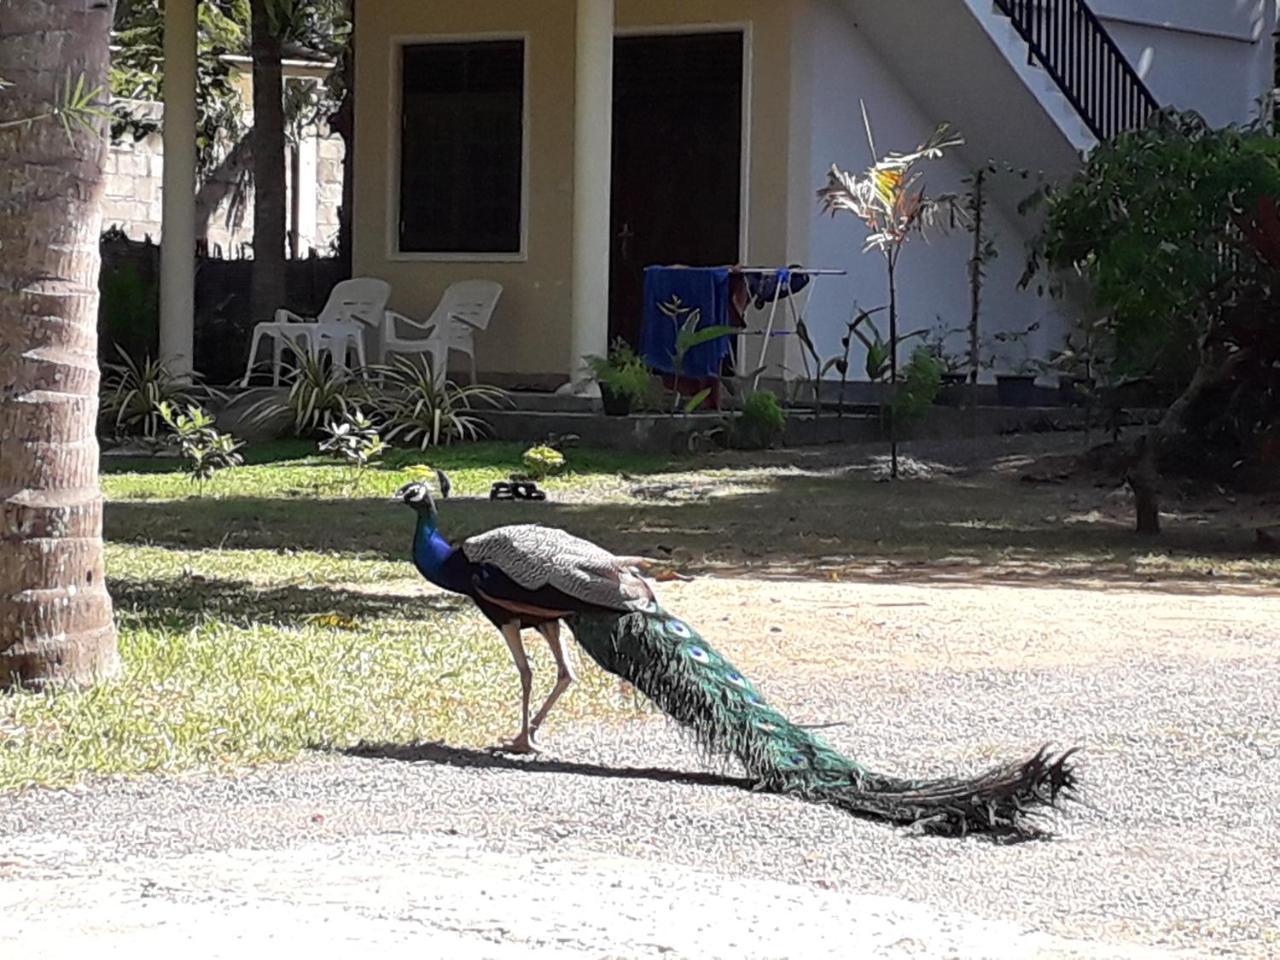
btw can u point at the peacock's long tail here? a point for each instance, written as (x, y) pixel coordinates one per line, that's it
(673, 666)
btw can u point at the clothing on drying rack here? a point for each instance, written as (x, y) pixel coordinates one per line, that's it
(782, 283)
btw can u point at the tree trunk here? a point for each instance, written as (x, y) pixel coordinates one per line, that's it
(1144, 480)
(975, 302)
(1144, 477)
(343, 123)
(268, 290)
(55, 614)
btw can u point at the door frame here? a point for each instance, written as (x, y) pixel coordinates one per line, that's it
(744, 28)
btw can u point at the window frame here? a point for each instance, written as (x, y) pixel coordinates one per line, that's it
(396, 153)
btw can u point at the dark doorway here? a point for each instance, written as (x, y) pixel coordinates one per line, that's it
(677, 161)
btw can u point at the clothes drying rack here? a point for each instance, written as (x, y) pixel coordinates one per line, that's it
(796, 314)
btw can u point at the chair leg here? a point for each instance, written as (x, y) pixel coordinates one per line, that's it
(358, 340)
(277, 352)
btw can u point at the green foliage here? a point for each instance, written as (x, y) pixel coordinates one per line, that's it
(425, 413)
(317, 390)
(1152, 222)
(132, 392)
(919, 385)
(137, 66)
(137, 72)
(936, 343)
(763, 419)
(687, 338)
(542, 461)
(77, 107)
(206, 448)
(353, 439)
(622, 372)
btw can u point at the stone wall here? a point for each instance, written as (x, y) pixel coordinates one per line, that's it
(134, 188)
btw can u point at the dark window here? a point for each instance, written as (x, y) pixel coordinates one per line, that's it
(462, 147)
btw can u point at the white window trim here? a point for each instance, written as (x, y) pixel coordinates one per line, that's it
(395, 133)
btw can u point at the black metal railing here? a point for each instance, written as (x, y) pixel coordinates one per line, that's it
(1078, 52)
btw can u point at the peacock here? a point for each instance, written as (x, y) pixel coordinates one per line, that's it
(529, 576)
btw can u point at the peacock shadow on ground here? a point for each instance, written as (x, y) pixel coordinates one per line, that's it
(442, 754)
(960, 530)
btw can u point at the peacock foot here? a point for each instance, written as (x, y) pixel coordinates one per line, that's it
(522, 744)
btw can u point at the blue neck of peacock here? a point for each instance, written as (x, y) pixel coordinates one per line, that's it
(436, 558)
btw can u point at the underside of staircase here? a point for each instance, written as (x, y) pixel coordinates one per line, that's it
(1034, 82)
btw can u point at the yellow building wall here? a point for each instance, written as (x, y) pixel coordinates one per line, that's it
(529, 334)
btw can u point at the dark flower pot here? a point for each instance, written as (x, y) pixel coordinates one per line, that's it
(952, 391)
(615, 404)
(1016, 390)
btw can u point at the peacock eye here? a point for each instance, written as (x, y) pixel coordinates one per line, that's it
(737, 679)
(697, 653)
(798, 759)
(679, 629)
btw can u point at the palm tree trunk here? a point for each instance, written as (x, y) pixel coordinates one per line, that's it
(56, 622)
(268, 291)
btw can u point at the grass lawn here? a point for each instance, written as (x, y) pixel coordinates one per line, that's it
(279, 612)
(237, 654)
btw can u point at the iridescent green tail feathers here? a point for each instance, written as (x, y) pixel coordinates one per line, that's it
(666, 660)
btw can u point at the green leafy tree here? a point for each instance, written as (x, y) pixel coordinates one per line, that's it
(1158, 222)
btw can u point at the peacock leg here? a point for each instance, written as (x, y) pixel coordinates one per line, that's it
(564, 673)
(522, 743)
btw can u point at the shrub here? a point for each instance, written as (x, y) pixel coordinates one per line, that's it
(206, 448)
(762, 420)
(353, 439)
(422, 412)
(921, 380)
(318, 390)
(542, 461)
(133, 391)
(623, 372)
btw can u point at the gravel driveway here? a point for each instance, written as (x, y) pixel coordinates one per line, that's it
(1174, 695)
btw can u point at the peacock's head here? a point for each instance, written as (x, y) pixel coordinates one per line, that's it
(417, 493)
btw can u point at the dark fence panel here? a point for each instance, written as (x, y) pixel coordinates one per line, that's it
(129, 311)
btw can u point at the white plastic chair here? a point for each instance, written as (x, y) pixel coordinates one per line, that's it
(464, 308)
(352, 306)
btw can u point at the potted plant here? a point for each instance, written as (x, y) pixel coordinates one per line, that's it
(1017, 386)
(622, 376)
(952, 367)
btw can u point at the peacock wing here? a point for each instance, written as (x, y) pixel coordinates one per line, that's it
(536, 557)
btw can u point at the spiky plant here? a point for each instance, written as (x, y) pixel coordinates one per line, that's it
(890, 200)
(318, 390)
(133, 390)
(421, 410)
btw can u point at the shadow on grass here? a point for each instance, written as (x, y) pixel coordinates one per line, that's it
(940, 533)
(502, 455)
(439, 753)
(185, 601)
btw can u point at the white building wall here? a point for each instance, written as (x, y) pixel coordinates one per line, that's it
(1212, 56)
(933, 275)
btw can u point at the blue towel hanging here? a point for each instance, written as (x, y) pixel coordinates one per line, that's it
(670, 295)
